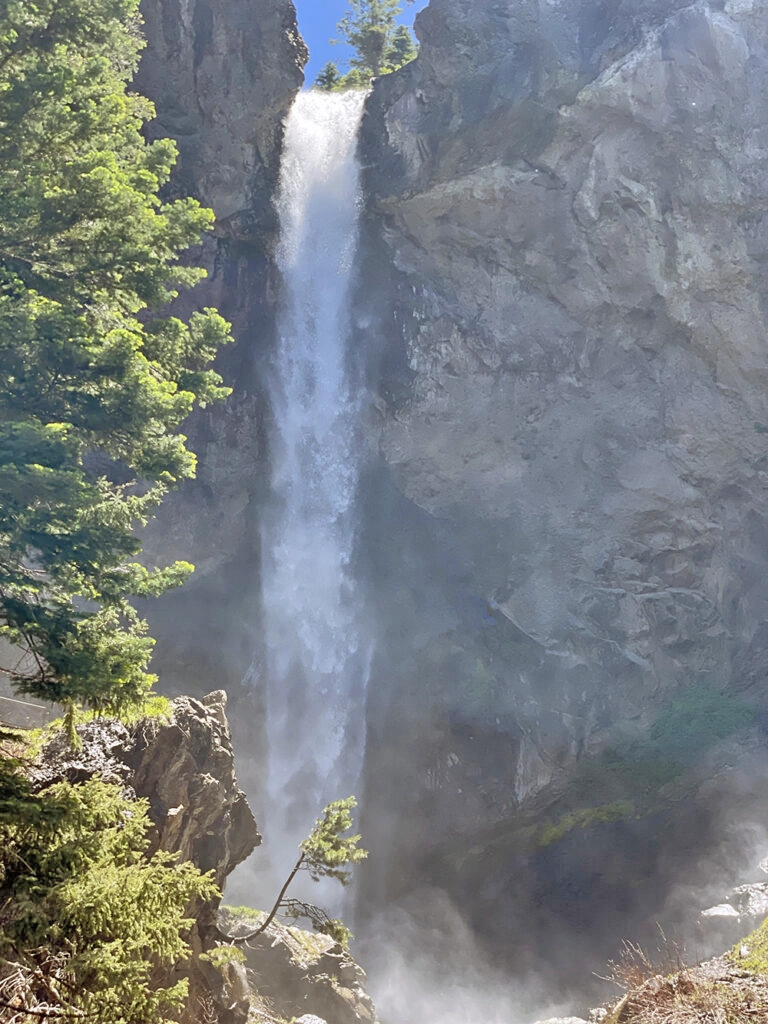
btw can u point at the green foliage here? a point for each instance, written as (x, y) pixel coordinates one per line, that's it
(621, 810)
(480, 689)
(326, 851)
(629, 782)
(154, 707)
(635, 772)
(90, 923)
(333, 927)
(220, 956)
(402, 49)
(329, 78)
(697, 718)
(751, 954)
(249, 913)
(380, 44)
(355, 79)
(96, 381)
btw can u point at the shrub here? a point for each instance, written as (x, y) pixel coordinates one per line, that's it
(91, 925)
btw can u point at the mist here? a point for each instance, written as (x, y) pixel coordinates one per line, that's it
(424, 964)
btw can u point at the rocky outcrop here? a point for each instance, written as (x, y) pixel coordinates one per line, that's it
(740, 912)
(302, 976)
(222, 75)
(571, 199)
(184, 766)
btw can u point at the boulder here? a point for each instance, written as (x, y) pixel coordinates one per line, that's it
(303, 974)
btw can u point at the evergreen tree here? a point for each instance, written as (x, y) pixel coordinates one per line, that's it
(90, 923)
(402, 49)
(329, 78)
(96, 379)
(356, 79)
(325, 853)
(370, 27)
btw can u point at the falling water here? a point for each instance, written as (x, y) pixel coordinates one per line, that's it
(316, 660)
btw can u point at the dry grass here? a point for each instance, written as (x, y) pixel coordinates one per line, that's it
(712, 993)
(262, 1011)
(634, 966)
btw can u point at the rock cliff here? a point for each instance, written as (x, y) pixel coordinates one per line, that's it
(571, 199)
(588, 360)
(183, 764)
(222, 75)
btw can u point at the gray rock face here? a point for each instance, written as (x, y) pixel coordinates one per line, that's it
(572, 198)
(186, 767)
(222, 75)
(589, 360)
(726, 923)
(302, 976)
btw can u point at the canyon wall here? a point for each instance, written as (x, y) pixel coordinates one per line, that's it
(568, 217)
(223, 76)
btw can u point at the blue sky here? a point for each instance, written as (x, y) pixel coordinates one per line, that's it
(317, 24)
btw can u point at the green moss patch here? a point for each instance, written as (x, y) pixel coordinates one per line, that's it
(621, 810)
(751, 953)
(697, 718)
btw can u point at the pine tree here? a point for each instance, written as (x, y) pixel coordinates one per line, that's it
(96, 378)
(91, 925)
(370, 27)
(327, 852)
(329, 78)
(402, 49)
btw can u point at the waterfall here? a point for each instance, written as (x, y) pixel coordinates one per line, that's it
(316, 653)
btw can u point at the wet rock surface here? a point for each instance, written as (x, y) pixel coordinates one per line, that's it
(572, 417)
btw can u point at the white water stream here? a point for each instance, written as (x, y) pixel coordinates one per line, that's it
(316, 654)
